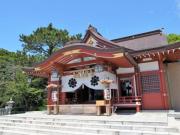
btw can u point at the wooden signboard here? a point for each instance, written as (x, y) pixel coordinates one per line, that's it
(100, 103)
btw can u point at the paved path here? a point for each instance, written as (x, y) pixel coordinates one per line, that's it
(145, 116)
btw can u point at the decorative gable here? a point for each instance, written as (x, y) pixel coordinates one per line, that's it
(91, 41)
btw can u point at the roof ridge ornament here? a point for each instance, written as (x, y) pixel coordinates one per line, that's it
(90, 27)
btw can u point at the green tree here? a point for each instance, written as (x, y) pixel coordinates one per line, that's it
(19, 58)
(46, 40)
(25, 97)
(14, 84)
(173, 38)
(6, 75)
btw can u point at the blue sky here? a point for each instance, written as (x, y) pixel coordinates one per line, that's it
(112, 18)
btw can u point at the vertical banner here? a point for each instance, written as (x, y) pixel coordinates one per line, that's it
(54, 96)
(107, 94)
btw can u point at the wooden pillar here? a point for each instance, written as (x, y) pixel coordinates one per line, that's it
(63, 97)
(49, 96)
(138, 81)
(48, 109)
(108, 107)
(58, 95)
(135, 89)
(138, 108)
(98, 108)
(138, 88)
(163, 85)
(108, 110)
(49, 103)
(118, 89)
(59, 91)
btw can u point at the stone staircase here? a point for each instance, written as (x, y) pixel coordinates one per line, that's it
(81, 125)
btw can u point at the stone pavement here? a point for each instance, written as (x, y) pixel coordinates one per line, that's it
(144, 116)
(143, 123)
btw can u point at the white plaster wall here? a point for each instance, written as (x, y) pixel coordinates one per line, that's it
(149, 66)
(173, 77)
(125, 70)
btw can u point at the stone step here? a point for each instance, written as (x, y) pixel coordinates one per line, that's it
(49, 124)
(42, 124)
(11, 130)
(87, 121)
(176, 115)
(80, 131)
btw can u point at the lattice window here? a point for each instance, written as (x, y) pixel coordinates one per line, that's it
(150, 83)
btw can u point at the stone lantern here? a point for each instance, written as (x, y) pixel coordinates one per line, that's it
(9, 106)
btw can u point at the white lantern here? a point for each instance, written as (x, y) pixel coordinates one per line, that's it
(98, 68)
(54, 76)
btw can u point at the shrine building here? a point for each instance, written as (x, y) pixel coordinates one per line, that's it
(141, 72)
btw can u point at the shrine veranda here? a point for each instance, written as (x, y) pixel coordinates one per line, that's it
(139, 72)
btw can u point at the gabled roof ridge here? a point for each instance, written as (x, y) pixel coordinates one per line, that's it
(139, 35)
(161, 48)
(93, 31)
(72, 42)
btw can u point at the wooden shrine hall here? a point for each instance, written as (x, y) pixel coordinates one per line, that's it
(139, 71)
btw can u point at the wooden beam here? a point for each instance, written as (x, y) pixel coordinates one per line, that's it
(84, 63)
(130, 59)
(59, 67)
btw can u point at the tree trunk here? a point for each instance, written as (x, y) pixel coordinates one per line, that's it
(50, 51)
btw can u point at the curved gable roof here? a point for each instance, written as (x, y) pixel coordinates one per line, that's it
(82, 46)
(92, 32)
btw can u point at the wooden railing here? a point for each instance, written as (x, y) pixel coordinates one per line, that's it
(126, 100)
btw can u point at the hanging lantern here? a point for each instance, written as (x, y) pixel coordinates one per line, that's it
(54, 75)
(52, 86)
(98, 68)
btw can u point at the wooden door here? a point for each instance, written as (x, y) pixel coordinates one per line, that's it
(127, 86)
